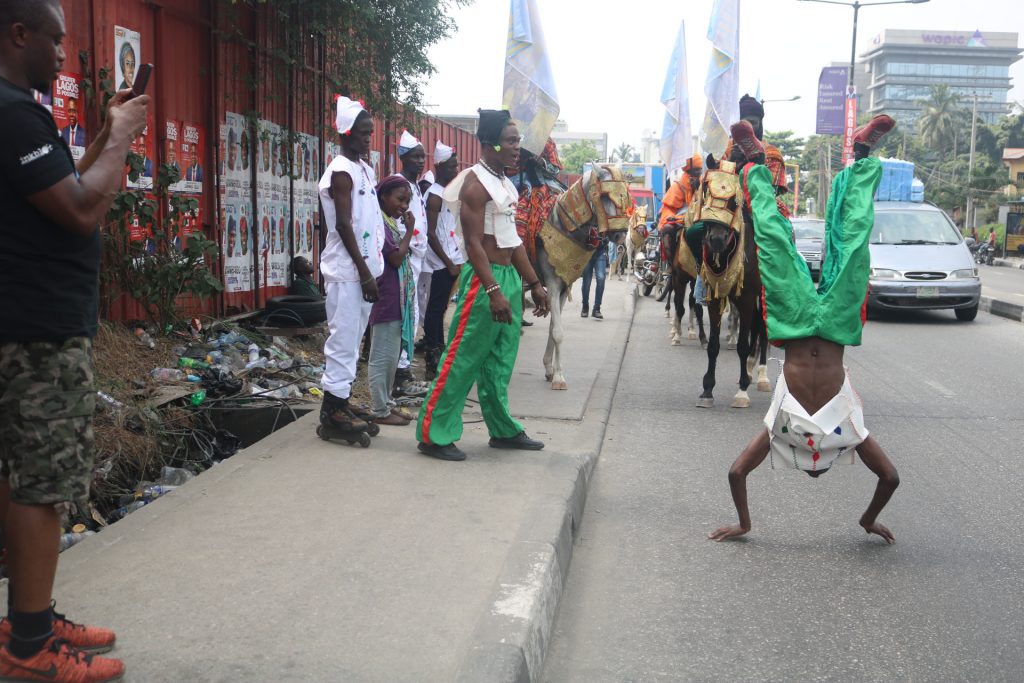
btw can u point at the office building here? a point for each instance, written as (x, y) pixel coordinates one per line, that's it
(902, 65)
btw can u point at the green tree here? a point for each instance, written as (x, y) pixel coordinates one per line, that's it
(792, 148)
(940, 118)
(575, 154)
(624, 152)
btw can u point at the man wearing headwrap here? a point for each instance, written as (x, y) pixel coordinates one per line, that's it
(414, 158)
(484, 338)
(351, 261)
(679, 196)
(816, 418)
(752, 111)
(444, 257)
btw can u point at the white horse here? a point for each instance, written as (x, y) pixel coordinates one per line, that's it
(577, 211)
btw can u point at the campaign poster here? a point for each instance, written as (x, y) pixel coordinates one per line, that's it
(237, 220)
(66, 107)
(331, 150)
(186, 153)
(127, 56)
(266, 238)
(144, 146)
(280, 250)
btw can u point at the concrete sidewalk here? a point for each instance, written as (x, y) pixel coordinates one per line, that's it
(1002, 305)
(302, 560)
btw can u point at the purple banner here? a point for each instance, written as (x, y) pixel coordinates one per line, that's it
(831, 100)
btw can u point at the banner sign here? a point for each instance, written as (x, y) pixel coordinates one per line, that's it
(849, 125)
(831, 100)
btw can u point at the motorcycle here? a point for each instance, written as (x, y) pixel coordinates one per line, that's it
(646, 267)
(984, 254)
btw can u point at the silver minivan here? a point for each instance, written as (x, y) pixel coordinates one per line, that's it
(919, 261)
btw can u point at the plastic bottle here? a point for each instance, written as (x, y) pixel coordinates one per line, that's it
(315, 391)
(151, 493)
(126, 510)
(254, 353)
(143, 338)
(167, 374)
(193, 378)
(215, 357)
(198, 398)
(258, 363)
(109, 400)
(70, 539)
(193, 363)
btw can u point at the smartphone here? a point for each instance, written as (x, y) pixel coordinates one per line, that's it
(141, 79)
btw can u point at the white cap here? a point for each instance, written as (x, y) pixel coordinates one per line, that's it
(346, 112)
(407, 143)
(442, 152)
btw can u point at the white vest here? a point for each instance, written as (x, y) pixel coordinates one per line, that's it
(367, 223)
(500, 211)
(447, 235)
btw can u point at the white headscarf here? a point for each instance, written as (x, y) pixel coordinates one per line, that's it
(346, 113)
(407, 143)
(429, 177)
(442, 153)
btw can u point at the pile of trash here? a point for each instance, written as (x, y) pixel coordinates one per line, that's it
(233, 364)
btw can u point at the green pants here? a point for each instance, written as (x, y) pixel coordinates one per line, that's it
(479, 351)
(795, 309)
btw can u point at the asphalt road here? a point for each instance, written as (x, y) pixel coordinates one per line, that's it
(1005, 284)
(807, 595)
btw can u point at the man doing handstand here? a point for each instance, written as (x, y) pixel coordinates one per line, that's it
(816, 418)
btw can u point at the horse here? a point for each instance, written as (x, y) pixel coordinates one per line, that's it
(563, 240)
(732, 280)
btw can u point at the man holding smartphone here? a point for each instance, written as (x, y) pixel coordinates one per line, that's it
(49, 274)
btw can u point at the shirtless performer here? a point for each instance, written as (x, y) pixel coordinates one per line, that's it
(484, 337)
(816, 418)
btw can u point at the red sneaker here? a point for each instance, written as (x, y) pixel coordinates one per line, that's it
(744, 138)
(58, 662)
(85, 638)
(874, 130)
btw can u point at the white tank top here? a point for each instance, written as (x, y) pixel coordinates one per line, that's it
(447, 234)
(500, 211)
(335, 263)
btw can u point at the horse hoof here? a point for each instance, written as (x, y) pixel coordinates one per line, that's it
(741, 400)
(731, 346)
(547, 377)
(676, 342)
(692, 336)
(705, 402)
(560, 385)
(764, 386)
(668, 314)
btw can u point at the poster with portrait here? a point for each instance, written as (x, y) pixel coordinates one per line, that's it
(237, 225)
(66, 107)
(187, 153)
(144, 146)
(127, 56)
(280, 249)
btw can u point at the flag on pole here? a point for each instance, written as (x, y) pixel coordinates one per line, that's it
(722, 86)
(529, 88)
(676, 140)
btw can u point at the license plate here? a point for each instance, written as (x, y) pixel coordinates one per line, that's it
(927, 292)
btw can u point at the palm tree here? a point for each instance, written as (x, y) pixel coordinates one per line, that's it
(624, 152)
(940, 118)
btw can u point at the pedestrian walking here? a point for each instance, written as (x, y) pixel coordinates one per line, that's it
(596, 266)
(49, 276)
(484, 338)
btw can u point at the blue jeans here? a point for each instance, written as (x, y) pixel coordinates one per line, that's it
(599, 263)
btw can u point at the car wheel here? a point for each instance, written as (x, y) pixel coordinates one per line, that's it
(967, 314)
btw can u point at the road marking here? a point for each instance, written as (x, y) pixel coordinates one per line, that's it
(946, 393)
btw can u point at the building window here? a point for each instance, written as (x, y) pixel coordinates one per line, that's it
(1020, 177)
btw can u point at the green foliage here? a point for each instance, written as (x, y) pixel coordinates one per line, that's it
(940, 119)
(624, 153)
(792, 148)
(375, 49)
(575, 154)
(157, 279)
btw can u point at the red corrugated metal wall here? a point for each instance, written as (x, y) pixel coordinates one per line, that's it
(219, 69)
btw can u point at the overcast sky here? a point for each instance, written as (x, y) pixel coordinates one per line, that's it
(610, 56)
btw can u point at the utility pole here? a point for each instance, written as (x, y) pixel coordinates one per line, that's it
(970, 221)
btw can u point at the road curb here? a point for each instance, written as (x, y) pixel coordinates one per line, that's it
(1003, 309)
(1009, 263)
(511, 638)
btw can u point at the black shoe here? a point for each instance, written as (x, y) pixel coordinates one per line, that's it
(525, 323)
(585, 312)
(519, 442)
(597, 314)
(449, 452)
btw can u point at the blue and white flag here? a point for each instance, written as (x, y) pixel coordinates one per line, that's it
(529, 87)
(722, 86)
(676, 139)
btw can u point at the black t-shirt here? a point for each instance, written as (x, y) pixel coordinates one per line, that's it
(49, 275)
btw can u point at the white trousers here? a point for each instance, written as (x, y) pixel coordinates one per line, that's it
(347, 316)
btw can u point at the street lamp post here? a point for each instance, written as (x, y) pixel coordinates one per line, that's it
(856, 5)
(794, 98)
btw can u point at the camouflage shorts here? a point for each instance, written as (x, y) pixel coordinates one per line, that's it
(46, 404)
